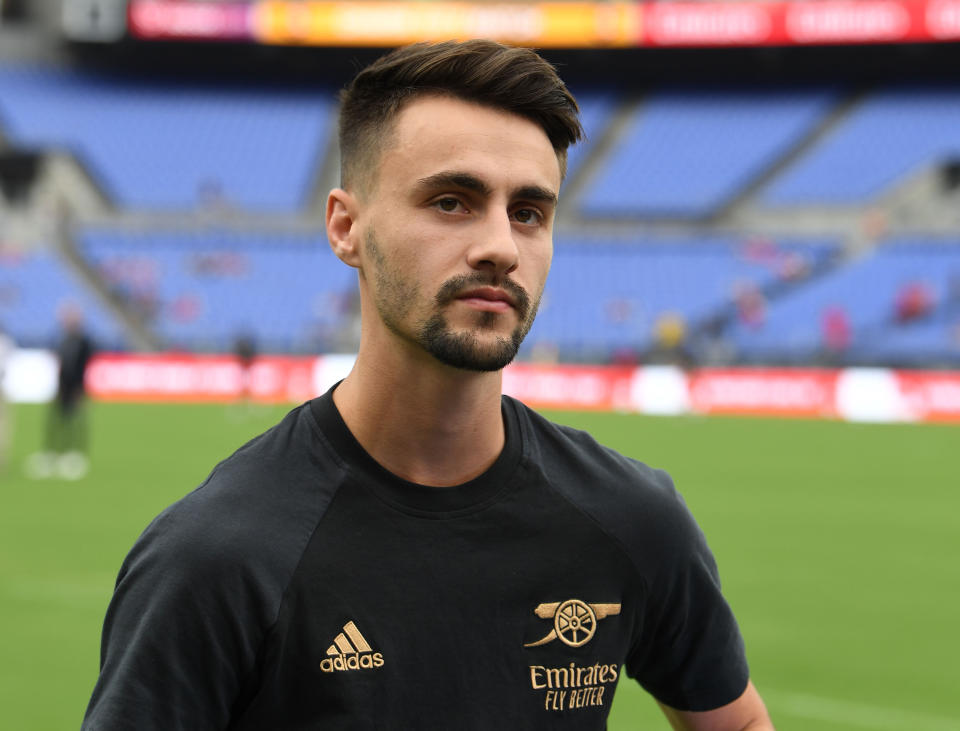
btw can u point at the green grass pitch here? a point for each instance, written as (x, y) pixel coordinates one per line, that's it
(838, 545)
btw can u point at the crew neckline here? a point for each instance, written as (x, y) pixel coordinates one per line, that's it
(411, 495)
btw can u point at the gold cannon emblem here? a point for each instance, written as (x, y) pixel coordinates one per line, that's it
(574, 621)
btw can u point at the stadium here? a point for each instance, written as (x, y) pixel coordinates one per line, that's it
(755, 286)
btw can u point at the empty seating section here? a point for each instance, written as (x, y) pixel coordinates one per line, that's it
(890, 136)
(869, 292)
(201, 291)
(688, 152)
(596, 111)
(933, 341)
(685, 153)
(156, 145)
(34, 287)
(604, 297)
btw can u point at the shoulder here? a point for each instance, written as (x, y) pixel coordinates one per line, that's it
(205, 582)
(634, 503)
(255, 512)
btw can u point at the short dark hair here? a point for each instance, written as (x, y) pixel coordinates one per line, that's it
(515, 80)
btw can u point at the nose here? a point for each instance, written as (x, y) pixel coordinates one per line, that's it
(495, 248)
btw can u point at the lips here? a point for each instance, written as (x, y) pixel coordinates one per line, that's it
(492, 295)
(479, 292)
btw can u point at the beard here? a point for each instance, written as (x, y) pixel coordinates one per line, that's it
(467, 350)
(471, 349)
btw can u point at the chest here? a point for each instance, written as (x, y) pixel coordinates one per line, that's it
(399, 621)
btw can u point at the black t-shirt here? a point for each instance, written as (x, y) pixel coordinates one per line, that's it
(303, 586)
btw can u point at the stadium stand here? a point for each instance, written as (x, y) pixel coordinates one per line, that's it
(34, 285)
(683, 153)
(895, 132)
(935, 341)
(202, 290)
(596, 110)
(687, 152)
(605, 297)
(170, 146)
(885, 326)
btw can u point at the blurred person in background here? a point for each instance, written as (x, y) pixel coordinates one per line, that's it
(836, 334)
(751, 304)
(7, 346)
(66, 440)
(413, 549)
(245, 351)
(913, 301)
(669, 343)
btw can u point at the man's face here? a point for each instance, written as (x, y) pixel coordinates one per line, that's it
(457, 231)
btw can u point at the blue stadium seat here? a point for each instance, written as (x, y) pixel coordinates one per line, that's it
(596, 111)
(689, 151)
(866, 290)
(893, 134)
(167, 146)
(935, 340)
(604, 296)
(34, 286)
(201, 291)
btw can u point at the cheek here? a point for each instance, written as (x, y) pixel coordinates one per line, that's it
(418, 244)
(540, 260)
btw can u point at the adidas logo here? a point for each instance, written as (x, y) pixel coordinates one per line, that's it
(350, 651)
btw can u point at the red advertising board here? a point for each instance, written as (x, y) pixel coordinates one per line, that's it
(855, 394)
(594, 388)
(770, 392)
(571, 24)
(930, 396)
(707, 24)
(276, 379)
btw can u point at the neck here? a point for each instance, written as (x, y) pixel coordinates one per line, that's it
(424, 421)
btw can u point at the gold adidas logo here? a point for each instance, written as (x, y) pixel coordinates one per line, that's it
(350, 651)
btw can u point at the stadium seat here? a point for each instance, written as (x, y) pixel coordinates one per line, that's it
(202, 290)
(895, 133)
(34, 285)
(596, 112)
(688, 152)
(174, 146)
(866, 290)
(605, 296)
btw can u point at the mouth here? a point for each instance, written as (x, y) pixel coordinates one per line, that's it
(488, 299)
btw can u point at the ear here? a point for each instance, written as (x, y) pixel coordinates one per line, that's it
(342, 231)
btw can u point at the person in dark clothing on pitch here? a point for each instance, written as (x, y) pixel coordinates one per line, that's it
(66, 439)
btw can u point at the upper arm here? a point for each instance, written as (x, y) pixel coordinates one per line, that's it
(181, 633)
(746, 712)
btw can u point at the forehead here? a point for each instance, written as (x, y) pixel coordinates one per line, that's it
(436, 133)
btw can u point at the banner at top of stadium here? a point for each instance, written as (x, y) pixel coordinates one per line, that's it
(550, 24)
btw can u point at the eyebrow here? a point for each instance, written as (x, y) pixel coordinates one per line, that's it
(536, 193)
(472, 182)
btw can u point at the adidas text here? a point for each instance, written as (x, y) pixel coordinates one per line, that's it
(351, 662)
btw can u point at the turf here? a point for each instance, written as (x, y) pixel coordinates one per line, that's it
(839, 549)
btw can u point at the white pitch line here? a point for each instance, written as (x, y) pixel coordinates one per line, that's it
(858, 715)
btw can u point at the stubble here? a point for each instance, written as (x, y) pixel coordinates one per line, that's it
(395, 296)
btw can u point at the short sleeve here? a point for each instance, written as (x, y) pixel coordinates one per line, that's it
(690, 654)
(180, 635)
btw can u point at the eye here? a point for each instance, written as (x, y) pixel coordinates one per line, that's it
(448, 204)
(528, 216)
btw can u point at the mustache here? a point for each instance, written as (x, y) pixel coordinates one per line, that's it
(451, 289)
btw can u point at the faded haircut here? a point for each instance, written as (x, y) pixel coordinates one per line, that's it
(514, 80)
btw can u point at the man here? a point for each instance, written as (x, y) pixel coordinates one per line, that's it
(7, 349)
(412, 550)
(66, 429)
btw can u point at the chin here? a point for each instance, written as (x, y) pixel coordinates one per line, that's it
(471, 351)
